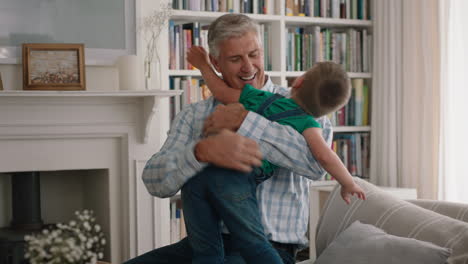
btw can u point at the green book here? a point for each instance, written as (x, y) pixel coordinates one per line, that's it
(298, 49)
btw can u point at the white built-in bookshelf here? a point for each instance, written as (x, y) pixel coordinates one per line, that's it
(344, 40)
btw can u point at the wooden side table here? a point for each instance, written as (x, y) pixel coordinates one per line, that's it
(319, 192)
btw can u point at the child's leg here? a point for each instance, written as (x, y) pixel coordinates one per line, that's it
(202, 222)
(233, 194)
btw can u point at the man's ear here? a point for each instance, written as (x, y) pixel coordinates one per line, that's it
(214, 62)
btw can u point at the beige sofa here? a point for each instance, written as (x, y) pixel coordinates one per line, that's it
(443, 224)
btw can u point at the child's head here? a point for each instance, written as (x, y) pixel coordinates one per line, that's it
(325, 89)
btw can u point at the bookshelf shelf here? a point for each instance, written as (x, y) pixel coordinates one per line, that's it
(339, 129)
(206, 16)
(327, 22)
(184, 73)
(363, 75)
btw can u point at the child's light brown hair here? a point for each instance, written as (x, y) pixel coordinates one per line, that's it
(325, 89)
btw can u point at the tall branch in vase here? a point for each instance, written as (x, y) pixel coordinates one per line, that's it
(150, 28)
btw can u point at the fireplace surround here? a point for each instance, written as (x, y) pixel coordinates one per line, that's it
(104, 139)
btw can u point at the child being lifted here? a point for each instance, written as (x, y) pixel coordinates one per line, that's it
(321, 90)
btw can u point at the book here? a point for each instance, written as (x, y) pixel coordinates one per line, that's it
(192, 38)
(358, 86)
(298, 49)
(365, 105)
(172, 55)
(205, 92)
(289, 8)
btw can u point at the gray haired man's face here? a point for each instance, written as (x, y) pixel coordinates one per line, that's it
(240, 61)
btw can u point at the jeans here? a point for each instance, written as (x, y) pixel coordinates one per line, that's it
(181, 253)
(217, 194)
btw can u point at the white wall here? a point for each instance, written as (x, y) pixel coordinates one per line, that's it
(97, 77)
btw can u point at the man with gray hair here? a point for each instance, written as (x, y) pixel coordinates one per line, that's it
(238, 140)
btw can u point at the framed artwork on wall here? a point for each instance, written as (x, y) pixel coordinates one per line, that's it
(53, 67)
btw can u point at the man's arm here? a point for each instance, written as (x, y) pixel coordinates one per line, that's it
(181, 157)
(280, 144)
(167, 170)
(283, 146)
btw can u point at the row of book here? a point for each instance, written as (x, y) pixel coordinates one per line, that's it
(353, 149)
(194, 89)
(348, 47)
(356, 111)
(344, 9)
(178, 230)
(269, 7)
(183, 36)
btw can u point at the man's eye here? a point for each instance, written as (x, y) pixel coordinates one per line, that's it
(234, 59)
(254, 55)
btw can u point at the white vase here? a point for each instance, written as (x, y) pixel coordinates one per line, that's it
(129, 67)
(152, 75)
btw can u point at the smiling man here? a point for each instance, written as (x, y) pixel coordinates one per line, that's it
(241, 140)
(239, 59)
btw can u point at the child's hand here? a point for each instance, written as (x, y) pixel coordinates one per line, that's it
(198, 57)
(354, 189)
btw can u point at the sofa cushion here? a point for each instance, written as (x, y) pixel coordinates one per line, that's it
(394, 216)
(362, 243)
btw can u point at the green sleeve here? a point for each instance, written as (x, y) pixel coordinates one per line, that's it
(251, 98)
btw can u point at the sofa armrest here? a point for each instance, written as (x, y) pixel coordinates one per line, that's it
(396, 217)
(453, 210)
(319, 194)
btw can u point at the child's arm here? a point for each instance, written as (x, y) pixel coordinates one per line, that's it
(332, 164)
(198, 57)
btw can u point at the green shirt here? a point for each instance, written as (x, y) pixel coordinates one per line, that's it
(252, 99)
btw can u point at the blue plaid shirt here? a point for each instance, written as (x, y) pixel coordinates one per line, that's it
(283, 199)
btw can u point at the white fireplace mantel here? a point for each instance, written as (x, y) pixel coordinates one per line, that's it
(93, 130)
(150, 100)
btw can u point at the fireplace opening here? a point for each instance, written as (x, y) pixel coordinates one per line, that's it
(34, 200)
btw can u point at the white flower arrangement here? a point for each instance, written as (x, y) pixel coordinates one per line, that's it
(150, 28)
(81, 241)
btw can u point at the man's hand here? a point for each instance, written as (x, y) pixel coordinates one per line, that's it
(229, 150)
(228, 117)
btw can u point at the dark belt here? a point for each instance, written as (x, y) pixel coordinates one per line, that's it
(289, 248)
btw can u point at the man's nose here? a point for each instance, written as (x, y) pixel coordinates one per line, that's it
(246, 65)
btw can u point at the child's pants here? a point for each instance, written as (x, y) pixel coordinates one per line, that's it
(217, 194)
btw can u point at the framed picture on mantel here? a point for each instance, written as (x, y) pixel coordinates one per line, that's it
(53, 67)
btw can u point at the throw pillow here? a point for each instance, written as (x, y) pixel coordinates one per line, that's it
(363, 243)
